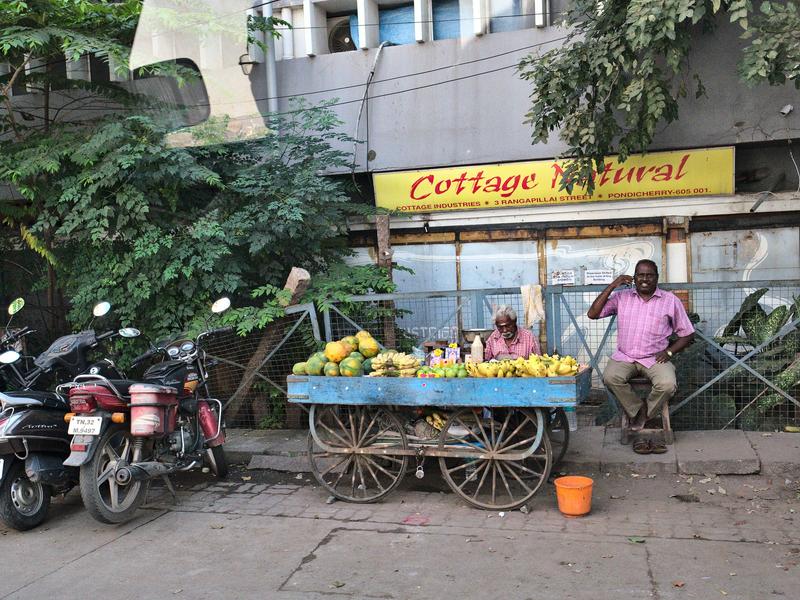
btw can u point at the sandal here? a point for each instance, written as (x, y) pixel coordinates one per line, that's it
(642, 447)
(658, 448)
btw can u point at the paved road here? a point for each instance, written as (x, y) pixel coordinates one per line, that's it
(274, 536)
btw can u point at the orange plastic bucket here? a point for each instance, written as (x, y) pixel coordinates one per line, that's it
(574, 494)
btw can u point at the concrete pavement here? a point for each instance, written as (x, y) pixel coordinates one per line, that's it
(726, 452)
(654, 532)
(648, 536)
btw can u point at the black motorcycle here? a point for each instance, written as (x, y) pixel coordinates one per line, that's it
(33, 434)
(12, 365)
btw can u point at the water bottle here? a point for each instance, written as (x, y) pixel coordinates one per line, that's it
(477, 349)
(572, 418)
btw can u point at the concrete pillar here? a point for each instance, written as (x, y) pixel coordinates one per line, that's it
(35, 66)
(368, 19)
(112, 71)
(316, 32)
(210, 52)
(677, 250)
(162, 42)
(287, 38)
(79, 69)
(256, 51)
(423, 20)
(480, 17)
(5, 70)
(677, 229)
(541, 8)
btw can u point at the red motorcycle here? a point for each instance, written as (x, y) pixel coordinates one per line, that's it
(127, 433)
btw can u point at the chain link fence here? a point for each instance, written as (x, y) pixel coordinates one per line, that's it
(741, 372)
(742, 369)
(249, 373)
(405, 321)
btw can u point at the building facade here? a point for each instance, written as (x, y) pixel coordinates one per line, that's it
(446, 94)
(432, 84)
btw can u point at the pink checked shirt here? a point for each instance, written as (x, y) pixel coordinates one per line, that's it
(643, 328)
(523, 345)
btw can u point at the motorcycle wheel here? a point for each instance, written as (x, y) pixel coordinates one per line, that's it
(217, 461)
(23, 504)
(104, 498)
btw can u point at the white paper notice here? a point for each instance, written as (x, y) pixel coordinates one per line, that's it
(563, 277)
(598, 276)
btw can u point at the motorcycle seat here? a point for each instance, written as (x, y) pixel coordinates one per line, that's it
(34, 399)
(123, 386)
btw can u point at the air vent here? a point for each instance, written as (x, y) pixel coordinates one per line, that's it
(339, 38)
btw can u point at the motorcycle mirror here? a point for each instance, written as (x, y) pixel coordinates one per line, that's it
(221, 305)
(101, 309)
(9, 356)
(16, 306)
(130, 332)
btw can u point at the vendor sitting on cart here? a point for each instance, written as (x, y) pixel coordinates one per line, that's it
(646, 318)
(507, 340)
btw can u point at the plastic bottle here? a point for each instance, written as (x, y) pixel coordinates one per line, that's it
(477, 349)
(572, 418)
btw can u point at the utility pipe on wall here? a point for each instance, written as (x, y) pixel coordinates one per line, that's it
(271, 70)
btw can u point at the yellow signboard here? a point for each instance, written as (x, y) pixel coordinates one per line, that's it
(704, 172)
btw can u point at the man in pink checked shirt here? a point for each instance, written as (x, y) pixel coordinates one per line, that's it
(507, 340)
(646, 318)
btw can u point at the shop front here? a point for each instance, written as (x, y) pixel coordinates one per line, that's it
(512, 224)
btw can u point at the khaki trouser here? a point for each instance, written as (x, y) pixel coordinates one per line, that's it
(661, 375)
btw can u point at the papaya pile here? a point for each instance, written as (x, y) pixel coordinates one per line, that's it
(533, 366)
(349, 357)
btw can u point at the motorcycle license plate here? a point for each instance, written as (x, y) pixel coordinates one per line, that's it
(85, 425)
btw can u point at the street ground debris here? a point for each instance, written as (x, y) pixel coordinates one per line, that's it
(265, 533)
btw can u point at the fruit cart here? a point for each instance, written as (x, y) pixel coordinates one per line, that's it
(493, 448)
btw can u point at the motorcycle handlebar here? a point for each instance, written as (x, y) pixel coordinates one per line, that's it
(221, 330)
(17, 335)
(145, 356)
(106, 335)
(155, 351)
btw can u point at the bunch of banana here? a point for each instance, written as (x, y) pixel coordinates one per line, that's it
(394, 364)
(436, 421)
(534, 366)
(551, 366)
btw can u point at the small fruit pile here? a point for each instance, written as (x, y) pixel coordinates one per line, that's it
(436, 421)
(394, 364)
(533, 366)
(448, 369)
(349, 357)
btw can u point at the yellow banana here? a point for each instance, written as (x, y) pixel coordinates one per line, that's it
(564, 369)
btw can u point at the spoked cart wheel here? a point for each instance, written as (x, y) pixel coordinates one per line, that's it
(497, 462)
(350, 450)
(558, 432)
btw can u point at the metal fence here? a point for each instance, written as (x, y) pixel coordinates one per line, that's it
(405, 321)
(739, 372)
(250, 371)
(732, 376)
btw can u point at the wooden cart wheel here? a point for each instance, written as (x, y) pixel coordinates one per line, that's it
(513, 461)
(338, 432)
(558, 432)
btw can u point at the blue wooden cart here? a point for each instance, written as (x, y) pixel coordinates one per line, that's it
(495, 448)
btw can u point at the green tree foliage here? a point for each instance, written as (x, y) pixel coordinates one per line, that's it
(116, 213)
(160, 231)
(626, 65)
